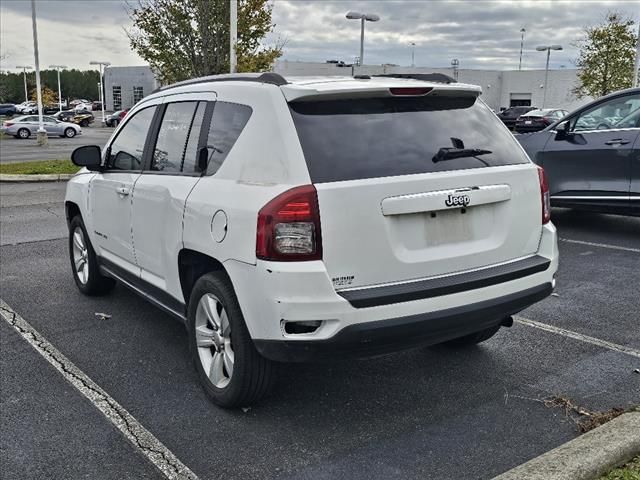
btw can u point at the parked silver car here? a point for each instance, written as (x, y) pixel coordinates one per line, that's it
(25, 126)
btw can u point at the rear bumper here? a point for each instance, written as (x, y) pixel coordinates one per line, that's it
(273, 294)
(373, 338)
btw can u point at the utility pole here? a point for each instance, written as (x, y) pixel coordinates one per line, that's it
(42, 133)
(233, 37)
(413, 52)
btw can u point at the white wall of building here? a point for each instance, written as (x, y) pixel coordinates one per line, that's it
(127, 78)
(498, 86)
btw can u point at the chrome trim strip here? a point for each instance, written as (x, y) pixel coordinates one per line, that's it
(594, 197)
(631, 129)
(450, 274)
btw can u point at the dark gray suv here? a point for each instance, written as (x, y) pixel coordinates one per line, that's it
(592, 156)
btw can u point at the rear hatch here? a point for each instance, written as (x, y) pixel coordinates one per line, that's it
(392, 210)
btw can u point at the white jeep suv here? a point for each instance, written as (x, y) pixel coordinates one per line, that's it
(309, 218)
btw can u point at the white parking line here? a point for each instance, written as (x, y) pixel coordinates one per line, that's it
(577, 336)
(602, 245)
(140, 437)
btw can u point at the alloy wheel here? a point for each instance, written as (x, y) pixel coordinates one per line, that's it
(213, 340)
(80, 256)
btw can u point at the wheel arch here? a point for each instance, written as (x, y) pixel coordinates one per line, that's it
(192, 265)
(71, 209)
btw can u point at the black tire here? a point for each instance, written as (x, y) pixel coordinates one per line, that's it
(23, 133)
(96, 283)
(253, 375)
(69, 132)
(473, 338)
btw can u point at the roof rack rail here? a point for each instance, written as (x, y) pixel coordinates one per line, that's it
(425, 77)
(267, 77)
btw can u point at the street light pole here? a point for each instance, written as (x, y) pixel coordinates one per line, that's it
(42, 133)
(58, 67)
(363, 17)
(548, 49)
(24, 74)
(101, 64)
(413, 52)
(522, 31)
(636, 64)
(233, 37)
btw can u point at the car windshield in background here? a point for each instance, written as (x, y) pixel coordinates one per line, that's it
(382, 137)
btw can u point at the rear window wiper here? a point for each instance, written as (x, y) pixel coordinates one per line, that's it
(451, 153)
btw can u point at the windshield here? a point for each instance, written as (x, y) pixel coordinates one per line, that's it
(381, 137)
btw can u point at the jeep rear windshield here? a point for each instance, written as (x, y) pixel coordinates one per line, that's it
(381, 137)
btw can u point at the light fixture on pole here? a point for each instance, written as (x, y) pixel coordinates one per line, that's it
(363, 17)
(547, 48)
(413, 52)
(24, 74)
(522, 32)
(42, 133)
(58, 67)
(105, 65)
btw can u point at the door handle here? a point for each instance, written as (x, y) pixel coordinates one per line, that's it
(124, 191)
(617, 141)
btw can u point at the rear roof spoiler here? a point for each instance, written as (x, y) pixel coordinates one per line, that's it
(425, 77)
(267, 77)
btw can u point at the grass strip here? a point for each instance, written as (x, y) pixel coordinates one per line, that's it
(630, 471)
(39, 167)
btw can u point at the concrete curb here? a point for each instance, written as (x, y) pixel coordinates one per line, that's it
(588, 456)
(49, 177)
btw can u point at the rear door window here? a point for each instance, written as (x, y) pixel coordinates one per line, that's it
(382, 137)
(168, 154)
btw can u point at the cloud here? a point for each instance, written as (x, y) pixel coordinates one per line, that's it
(481, 34)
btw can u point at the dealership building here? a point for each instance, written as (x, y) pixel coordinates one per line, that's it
(125, 86)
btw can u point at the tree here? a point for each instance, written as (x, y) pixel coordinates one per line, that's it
(183, 39)
(74, 83)
(606, 57)
(48, 96)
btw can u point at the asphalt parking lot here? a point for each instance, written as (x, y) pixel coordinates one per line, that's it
(15, 150)
(426, 413)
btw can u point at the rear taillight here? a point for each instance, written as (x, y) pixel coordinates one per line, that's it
(547, 120)
(289, 227)
(544, 196)
(8, 124)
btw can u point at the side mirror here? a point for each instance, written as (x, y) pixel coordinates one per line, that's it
(87, 156)
(563, 131)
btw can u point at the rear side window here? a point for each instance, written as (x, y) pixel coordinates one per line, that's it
(168, 154)
(382, 137)
(125, 153)
(227, 123)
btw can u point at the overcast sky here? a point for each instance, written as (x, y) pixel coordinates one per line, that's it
(481, 34)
